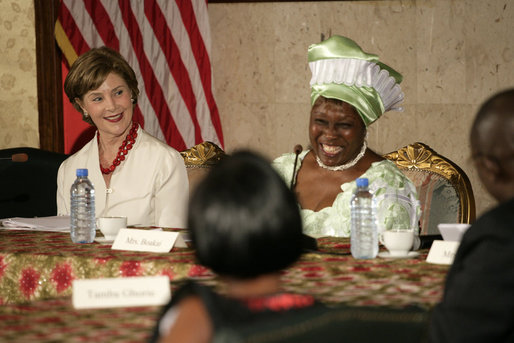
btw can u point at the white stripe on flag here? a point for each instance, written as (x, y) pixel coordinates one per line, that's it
(180, 35)
(175, 102)
(152, 125)
(202, 18)
(83, 20)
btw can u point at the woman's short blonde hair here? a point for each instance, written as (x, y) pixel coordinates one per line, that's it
(91, 69)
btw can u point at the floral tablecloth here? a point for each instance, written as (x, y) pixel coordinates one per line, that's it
(41, 265)
(334, 276)
(36, 271)
(55, 320)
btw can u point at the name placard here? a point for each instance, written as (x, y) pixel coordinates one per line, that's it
(121, 292)
(442, 252)
(148, 240)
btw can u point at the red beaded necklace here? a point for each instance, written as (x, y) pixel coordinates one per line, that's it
(123, 150)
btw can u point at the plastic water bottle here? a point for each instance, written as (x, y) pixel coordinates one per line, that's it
(83, 223)
(364, 236)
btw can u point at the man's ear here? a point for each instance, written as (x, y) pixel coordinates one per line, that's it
(491, 168)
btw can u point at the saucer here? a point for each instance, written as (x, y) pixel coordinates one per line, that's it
(387, 254)
(103, 240)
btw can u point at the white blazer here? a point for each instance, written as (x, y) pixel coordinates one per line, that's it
(150, 187)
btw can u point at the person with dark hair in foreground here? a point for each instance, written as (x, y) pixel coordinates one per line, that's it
(245, 225)
(478, 302)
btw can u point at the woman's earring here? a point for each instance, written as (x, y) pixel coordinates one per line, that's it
(86, 114)
(133, 100)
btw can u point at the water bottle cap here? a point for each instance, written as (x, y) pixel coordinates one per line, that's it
(81, 172)
(362, 182)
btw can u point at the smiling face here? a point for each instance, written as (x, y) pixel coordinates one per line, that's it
(336, 131)
(109, 106)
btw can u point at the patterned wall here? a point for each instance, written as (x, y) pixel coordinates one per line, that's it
(18, 86)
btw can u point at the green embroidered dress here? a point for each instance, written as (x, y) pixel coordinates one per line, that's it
(396, 197)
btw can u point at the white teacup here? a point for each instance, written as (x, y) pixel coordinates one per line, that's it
(110, 226)
(398, 242)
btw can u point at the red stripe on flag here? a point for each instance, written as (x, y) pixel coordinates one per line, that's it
(73, 32)
(137, 116)
(202, 60)
(175, 64)
(103, 24)
(152, 87)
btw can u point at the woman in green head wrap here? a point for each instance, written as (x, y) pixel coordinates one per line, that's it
(350, 89)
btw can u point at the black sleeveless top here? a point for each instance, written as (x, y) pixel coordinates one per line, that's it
(225, 312)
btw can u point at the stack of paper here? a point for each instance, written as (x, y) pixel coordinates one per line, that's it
(55, 223)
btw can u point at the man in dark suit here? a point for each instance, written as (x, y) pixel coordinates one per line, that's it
(478, 302)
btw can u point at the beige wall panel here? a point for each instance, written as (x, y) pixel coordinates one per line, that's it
(294, 24)
(441, 52)
(18, 75)
(240, 50)
(489, 38)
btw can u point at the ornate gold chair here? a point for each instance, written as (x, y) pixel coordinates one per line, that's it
(444, 189)
(199, 159)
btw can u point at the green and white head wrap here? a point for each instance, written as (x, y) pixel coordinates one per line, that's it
(341, 70)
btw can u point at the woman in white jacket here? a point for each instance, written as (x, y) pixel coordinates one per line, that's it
(134, 174)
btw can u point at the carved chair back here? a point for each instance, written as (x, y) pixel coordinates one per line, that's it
(444, 190)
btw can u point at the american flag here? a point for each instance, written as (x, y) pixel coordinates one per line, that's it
(167, 43)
